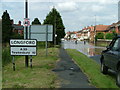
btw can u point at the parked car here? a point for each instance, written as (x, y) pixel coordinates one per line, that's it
(110, 58)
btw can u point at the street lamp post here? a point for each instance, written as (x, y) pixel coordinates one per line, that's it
(95, 31)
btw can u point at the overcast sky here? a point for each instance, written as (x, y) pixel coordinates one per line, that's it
(76, 14)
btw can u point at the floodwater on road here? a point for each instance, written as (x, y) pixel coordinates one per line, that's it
(85, 48)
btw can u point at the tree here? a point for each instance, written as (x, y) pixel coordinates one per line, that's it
(54, 18)
(6, 27)
(109, 36)
(36, 21)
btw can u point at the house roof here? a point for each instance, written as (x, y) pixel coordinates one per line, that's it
(17, 27)
(74, 32)
(79, 31)
(101, 27)
(111, 26)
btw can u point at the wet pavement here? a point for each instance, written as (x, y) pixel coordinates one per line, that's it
(69, 73)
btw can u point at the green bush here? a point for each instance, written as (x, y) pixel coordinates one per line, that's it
(6, 57)
(100, 36)
(109, 36)
(17, 36)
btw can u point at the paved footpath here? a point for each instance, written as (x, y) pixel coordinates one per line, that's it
(69, 73)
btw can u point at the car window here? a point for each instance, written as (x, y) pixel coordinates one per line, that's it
(112, 43)
(116, 45)
(119, 45)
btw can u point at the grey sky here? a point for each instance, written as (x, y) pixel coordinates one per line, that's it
(76, 14)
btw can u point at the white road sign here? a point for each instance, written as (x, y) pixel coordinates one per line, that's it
(17, 51)
(20, 42)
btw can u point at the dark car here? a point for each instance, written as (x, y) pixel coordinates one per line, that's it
(110, 58)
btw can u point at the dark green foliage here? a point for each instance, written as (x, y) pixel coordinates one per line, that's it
(40, 44)
(17, 36)
(109, 36)
(6, 27)
(54, 18)
(6, 58)
(36, 22)
(100, 36)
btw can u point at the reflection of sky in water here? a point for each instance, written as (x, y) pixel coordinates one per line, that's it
(86, 49)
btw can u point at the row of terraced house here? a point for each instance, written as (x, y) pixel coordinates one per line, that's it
(89, 33)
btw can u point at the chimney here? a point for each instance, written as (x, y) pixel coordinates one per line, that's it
(19, 23)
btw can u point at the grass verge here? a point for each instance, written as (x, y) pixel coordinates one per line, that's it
(92, 70)
(40, 76)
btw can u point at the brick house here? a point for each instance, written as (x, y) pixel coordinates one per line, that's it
(86, 33)
(118, 28)
(71, 35)
(101, 28)
(98, 29)
(18, 28)
(114, 27)
(79, 34)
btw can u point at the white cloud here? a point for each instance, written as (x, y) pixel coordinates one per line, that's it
(98, 1)
(111, 18)
(108, 1)
(97, 8)
(66, 6)
(93, 8)
(35, 6)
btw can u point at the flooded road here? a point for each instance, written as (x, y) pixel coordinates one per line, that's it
(87, 49)
(90, 50)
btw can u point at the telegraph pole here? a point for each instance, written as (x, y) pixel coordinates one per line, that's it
(26, 30)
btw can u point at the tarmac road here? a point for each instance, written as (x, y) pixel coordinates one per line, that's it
(69, 73)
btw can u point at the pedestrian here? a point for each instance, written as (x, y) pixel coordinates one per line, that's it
(84, 42)
(75, 41)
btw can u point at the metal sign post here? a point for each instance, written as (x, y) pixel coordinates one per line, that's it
(13, 61)
(31, 61)
(26, 30)
(46, 40)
